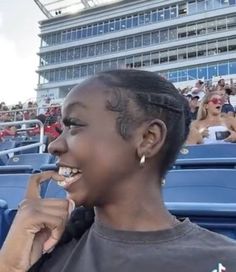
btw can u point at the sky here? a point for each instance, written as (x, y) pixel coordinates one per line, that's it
(19, 44)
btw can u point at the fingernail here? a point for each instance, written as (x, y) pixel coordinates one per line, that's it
(71, 205)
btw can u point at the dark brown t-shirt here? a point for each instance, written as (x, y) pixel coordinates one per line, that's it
(184, 248)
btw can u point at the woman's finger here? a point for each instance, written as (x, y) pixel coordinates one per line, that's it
(33, 189)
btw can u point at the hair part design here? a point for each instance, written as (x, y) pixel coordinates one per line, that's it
(138, 96)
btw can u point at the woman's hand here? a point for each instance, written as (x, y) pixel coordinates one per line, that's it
(232, 137)
(37, 227)
(204, 132)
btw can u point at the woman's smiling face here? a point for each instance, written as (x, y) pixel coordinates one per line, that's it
(90, 144)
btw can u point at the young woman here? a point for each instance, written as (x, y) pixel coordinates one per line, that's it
(210, 126)
(122, 131)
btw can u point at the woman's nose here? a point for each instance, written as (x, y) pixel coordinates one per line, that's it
(58, 146)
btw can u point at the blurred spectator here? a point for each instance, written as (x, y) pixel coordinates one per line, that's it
(198, 90)
(193, 104)
(210, 126)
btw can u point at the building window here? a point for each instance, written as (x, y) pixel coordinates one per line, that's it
(212, 71)
(106, 47)
(182, 55)
(223, 69)
(76, 71)
(69, 73)
(221, 24)
(146, 39)
(173, 55)
(183, 75)
(192, 74)
(146, 60)
(106, 66)
(222, 46)
(182, 33)
(112, 25)
(141, 19)
(155, 37)
(71, 54)
(201, 50)
(164, 35)
(138, 41)
(98, 67)
(77, 53)
(192, 51)
(183, 9)
(211, 26)
(202, 72)
(232, 44)
(212, 48)
(160, 14)
(91, 51)
(130, 42)
(200, 6)
(91, 69)
(78, 34)
(163, 56)
(106, 27)
(84, 52)
(114, 46)
(201, 28)
(173, 34)
(99, 49)
(121, 45)
(84, 70)
(135, 20)
(123, 23)
(129, 62)
(192, 30)
(114, 64)
(231, 22)
(167, 13)
(121, 63)
(173, 12)
(155, 58)
(117, 25)
(137, 61)
(63, 55)
(232, 67)
(192, 7)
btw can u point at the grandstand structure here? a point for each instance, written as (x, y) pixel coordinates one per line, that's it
(182, 40)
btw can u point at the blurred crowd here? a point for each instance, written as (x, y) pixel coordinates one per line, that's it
(49, 116)
(212, 100)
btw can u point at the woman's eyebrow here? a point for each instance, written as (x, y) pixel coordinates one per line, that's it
(76, 104)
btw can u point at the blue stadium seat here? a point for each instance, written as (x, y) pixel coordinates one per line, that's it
(217, 217)
(12, 188)
(208, 151)
(197, 163)
(54, 191)
(27, 163)
(6, 145)
(200, 185)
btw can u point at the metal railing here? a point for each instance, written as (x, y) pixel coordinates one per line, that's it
(40, 144)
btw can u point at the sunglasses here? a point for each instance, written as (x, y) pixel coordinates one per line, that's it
(216, 101)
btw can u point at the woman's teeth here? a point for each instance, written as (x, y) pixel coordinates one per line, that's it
(71, 175)
(68, 172)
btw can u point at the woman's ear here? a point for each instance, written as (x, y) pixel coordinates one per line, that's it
(152, 138)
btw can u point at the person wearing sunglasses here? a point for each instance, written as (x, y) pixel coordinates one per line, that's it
(210, 126)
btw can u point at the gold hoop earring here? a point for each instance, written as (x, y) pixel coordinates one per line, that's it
(142, 160)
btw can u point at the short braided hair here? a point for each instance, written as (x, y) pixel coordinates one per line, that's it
(138, 96)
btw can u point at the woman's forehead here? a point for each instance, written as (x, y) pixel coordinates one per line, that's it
(89, 95)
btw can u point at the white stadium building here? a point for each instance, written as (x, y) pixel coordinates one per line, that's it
(182, 40)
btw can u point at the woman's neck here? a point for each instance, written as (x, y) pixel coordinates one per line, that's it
(141, 210)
